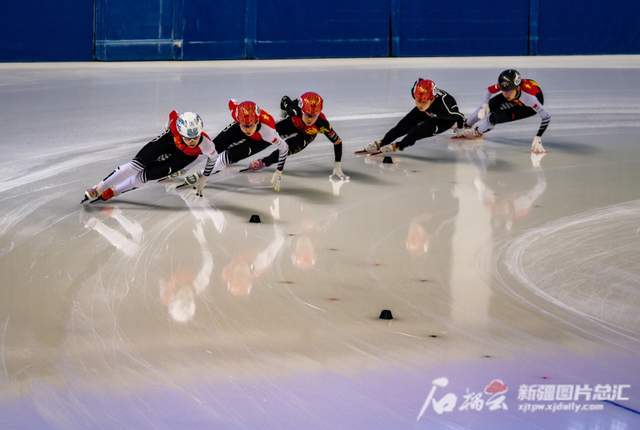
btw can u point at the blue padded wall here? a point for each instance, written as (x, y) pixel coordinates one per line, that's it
(37, 30)
(130, 30)
(589, 27)
(331, 28)
(213, 29)
(459, 28)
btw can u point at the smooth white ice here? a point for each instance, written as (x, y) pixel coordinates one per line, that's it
(162, 310)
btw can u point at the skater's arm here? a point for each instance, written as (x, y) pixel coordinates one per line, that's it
(534, 103)
(337, 151)
(208, 168)
(208, 149)
(333, 137)
(492, 90)
(402, 127)
(451, 110)
(270, 135)
(544, 121)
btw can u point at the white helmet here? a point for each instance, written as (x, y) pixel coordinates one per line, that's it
(190, 125)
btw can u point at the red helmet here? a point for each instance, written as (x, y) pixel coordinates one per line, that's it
(424, 90)
(245, 113)
(311, 103)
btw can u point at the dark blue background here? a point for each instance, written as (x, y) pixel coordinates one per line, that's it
(36, 30)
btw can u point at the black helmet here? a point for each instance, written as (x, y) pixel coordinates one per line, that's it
(509, 80)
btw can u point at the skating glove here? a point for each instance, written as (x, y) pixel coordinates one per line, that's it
(536, 160)
(276, 180)
(200, 184)
(457, 131)
(288, 107)
(337, 171)
(536, 146)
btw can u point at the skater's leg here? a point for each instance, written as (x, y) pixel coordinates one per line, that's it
(154, 171)
(475, 116)
(426, 128)
(404, 126)
(296, 144)
(147, 155)
(123, 172)
(226, 158)
(513, 114)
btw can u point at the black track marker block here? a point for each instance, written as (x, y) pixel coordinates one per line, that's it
(386, 314)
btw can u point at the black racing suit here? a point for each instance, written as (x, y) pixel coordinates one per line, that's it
(439, 117)
(299, 135)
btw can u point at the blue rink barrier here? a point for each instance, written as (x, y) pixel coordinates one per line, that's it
(37, 30)
(109, 30)
(460, 28)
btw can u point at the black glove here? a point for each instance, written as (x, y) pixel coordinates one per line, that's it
(290, 106)
(285, 103)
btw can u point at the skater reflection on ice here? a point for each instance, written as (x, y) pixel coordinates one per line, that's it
(507, 209)
(417, 242)
(178, 292)
(241, 272)
(127, 243)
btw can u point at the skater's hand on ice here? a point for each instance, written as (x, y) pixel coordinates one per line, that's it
(337, 172)
(200, 184)
(536, 159)
(536, 146)
(276, 180)
(457, 131)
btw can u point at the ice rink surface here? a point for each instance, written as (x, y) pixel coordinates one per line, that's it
(160, 310)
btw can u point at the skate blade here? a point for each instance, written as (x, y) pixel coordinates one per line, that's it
(86, 201)
(181, 186)
(466, 138)
(363, 152)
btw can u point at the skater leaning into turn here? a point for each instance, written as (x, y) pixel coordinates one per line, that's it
(436, 111)
(179, 145)
(511, 99)
(253, 129)
(302, 121)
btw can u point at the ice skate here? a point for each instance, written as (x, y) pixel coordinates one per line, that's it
(471, 133)
(91, 194)
(254, 166)
(387, 149)
(372, 148)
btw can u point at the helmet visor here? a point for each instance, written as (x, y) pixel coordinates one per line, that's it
(191, 132)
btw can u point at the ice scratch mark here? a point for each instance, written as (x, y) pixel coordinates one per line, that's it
(586, 225)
